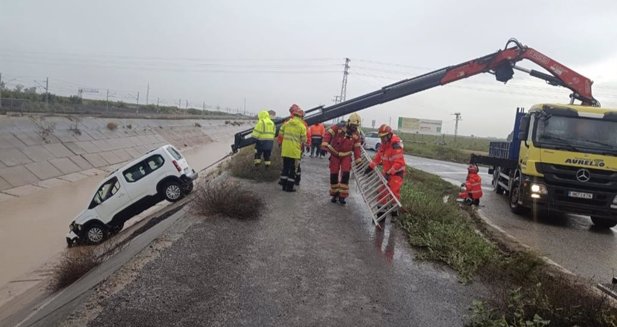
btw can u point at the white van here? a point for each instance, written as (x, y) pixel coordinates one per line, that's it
(161, 174)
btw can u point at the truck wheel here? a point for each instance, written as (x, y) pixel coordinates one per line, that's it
(603, 222)
(514, 196)
(172, 191)
(95, 233)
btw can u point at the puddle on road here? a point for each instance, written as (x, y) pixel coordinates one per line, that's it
(32, 228)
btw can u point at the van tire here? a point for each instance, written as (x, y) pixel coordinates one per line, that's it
(172, 191)
(95, 233)
(603, 222)
(188, 187)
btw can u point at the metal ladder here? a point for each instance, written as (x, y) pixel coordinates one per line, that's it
(374, 187)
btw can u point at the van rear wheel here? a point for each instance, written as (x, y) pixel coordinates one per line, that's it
(172, 191)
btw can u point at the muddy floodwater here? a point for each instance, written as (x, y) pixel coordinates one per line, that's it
(33, 227)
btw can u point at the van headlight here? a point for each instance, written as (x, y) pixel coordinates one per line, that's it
(538, 189)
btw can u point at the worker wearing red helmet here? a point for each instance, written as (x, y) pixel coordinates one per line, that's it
(292, 110)
(473, 185)
(392, 157)
(293, 136)
(342, 140)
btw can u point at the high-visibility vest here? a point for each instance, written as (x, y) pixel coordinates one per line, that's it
(473, 185)
(265, 128)
(293, 134)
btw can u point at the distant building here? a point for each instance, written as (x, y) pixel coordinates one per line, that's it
(419, 126)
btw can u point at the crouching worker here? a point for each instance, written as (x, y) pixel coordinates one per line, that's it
(293, 135)
(471, 190)
(264, 134)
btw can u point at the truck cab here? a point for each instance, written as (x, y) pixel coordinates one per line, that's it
(566, 162)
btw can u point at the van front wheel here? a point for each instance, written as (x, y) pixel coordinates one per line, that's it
(172, 191)
(95, 233)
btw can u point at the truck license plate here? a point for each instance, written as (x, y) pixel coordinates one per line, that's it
(581, 195)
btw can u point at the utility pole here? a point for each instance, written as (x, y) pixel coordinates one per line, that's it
(186, 104)
(0, 90)
(46, 92)
(245, 106)
(147, 93)
(107, 99)
(458, 117)
(179, 103)
(344, 85)
(157, 102)
(137, 110)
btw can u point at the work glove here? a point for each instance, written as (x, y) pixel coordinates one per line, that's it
(358, 161)
(368, 170)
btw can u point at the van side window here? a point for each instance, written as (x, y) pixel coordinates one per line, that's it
(106, 191)
(143, 168)
(174, 153)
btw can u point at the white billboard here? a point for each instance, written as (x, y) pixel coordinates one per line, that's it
(419, 126)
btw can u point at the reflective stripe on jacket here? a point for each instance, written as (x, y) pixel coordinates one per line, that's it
(264, 129)
(340, 143)
(392, 156)
(473, 185)
(293, 135)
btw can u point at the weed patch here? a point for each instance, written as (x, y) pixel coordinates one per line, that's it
(242, 165)
(227, 198)
(74, 263)
(112, 126)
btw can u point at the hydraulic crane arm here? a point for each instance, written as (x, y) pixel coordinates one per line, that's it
(500, 63)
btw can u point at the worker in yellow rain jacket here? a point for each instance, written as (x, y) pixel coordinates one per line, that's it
(293, 134)
(264, 134)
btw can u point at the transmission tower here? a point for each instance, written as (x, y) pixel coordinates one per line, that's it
(343, 95)
(457, 119)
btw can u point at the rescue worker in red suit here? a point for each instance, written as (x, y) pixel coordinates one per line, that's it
(472, 185)
(342, 140)
(391, 156)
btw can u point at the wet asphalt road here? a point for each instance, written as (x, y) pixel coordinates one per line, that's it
(304, 262)
(569, 240)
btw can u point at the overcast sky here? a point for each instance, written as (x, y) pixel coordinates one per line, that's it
(275, 53)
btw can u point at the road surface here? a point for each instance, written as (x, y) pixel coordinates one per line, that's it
(569, 240)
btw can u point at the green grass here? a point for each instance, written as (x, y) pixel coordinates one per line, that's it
(524, 291)
(444, 147)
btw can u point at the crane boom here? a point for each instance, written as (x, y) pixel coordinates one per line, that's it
(500, 63)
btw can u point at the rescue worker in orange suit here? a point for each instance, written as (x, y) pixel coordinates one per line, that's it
(472, 185)
(293, 135)
(391, 156)
(342, 140)
(317, 132)
(279, 139)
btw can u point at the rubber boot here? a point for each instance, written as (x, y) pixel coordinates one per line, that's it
(289, 186)
(334, 199)
(342, 201)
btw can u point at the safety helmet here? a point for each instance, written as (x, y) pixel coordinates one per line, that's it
(354, 119)
(298, 113)
(384, 130)
(472, 169)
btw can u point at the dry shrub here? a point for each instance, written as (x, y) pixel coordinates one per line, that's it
(242, 165)
(112, 126)
(228, 198)
(75, 262)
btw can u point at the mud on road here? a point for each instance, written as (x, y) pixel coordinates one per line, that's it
(305, 261)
